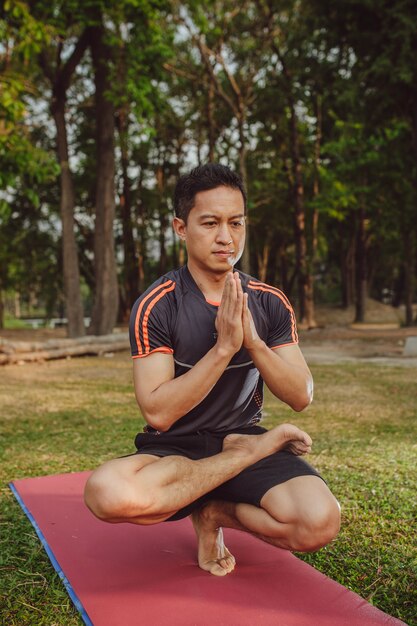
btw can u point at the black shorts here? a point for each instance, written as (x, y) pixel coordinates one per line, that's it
(249, 486)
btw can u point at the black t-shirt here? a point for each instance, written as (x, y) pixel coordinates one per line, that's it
(172, 316)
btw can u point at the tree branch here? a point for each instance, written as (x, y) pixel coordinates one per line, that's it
(64, 75)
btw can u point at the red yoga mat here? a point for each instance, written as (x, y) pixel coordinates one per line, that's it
(127, 575)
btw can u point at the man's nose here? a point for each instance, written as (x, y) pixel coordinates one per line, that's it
(223, 234)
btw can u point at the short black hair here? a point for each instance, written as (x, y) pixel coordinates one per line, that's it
(203, 178)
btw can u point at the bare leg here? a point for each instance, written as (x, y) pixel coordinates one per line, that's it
(301, 514)
(149, 490)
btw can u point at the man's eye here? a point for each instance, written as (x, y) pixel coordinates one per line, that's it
(208, 223)
(237, 223)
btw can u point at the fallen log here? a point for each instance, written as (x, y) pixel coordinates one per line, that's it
(25, 352)
(8, 347)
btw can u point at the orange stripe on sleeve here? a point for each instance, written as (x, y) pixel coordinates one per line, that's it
(163, 349)
(281, 345)
(149, 308)
(139, 312)
(284, 300)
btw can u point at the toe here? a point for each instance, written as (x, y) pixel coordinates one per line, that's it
(218, 570)
(227, 563)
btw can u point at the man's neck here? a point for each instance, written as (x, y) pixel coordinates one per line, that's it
(210, 283)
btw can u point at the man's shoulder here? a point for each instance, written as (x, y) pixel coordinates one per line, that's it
(154, 314)
(271, 299)
(160, 296)
(256, 285)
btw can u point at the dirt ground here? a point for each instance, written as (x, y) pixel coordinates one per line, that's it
(343, 344)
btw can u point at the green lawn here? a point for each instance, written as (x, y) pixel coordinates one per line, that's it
(72, 415)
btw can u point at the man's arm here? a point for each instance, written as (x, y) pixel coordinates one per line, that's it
(164, 399)
(283, 369)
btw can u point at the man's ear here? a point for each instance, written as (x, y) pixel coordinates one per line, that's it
(180, 227)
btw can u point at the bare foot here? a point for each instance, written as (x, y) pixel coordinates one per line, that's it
(213, 556)
(259, 446)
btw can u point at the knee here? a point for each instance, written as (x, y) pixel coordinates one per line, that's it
(111, 500)
(319, 528)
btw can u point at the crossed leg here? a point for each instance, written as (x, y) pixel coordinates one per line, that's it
(300, 514)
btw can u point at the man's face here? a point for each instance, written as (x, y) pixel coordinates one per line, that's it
(215, 229)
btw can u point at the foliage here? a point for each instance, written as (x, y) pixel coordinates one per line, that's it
(191, 81)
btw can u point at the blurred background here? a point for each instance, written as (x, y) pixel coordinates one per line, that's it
(103, 104)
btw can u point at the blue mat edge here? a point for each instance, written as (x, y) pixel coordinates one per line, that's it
(75, 599)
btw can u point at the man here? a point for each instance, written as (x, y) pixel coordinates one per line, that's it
(204, 338)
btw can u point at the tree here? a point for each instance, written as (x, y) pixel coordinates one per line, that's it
(59, 74)
(106, 294)
(25, 164)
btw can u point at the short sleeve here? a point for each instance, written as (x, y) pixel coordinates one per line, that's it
(281, 317)
(151, 321)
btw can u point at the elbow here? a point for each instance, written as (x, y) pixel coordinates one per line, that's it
(304, 399)
(160, 427)
(161, 423)
(300, 405)
(155, 422)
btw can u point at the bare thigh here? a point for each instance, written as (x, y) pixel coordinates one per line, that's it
(305, 499)
(111, 489)
(126, 466)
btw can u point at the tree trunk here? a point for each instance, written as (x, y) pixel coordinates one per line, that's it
(163, 260)
(398, 288)
(160, 180)
(304, 302)
(263, 260)
(409, 276)
(141, 236)
(130, 274)
(361, 270)
(347, 262)
(309, 284)
(141, 271)
(283, 267)
(106, 296)
(414, 127)
(210, 122)
(17, 312)
(60, 79)
(303, 271)
(72, 291)
(245, 261)
(1, 307)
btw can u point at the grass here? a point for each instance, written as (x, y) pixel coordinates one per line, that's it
(13, 323)
(72, 415)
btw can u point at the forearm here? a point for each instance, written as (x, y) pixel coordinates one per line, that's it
(174, 398)
(290, 383)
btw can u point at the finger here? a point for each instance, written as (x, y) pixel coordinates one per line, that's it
(233, 291)
(238, 281)
(245, 309)
(225, 294)
(239, 295)
(245, 303)
(227, 298)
